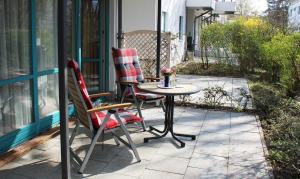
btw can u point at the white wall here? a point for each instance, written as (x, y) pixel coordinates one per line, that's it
(142, 15)
(139, 15)
(175, 9)
(294, 15)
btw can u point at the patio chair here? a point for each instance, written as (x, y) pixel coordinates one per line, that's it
(98, 120)
(129, 75)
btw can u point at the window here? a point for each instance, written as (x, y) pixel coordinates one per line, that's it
(46, 33)
(180, 27)
(15, 63)
(299, 10)
(164, 21)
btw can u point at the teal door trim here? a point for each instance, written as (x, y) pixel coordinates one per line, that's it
(34, 67)
(77, 17)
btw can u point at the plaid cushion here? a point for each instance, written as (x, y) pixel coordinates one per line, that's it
(127, 65)
(98, 117)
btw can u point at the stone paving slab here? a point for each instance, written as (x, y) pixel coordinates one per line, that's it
(228, 145)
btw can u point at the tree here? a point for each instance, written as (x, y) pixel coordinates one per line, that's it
(243, 7)
(277, 13)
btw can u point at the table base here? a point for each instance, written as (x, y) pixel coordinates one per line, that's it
(168, 126)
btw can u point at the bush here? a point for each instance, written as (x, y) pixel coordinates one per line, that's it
(282, 60)
(243, 37)
(281, 124)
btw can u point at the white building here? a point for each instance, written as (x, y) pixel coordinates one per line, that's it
(180, 17)
(294, 15)
(204, 12)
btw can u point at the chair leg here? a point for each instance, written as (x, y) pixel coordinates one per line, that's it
(93, 143)
(140, 114)
(139, 107)
(163, 105)
(132, 145)
(116, 140)
(74, 132)
(124, 94)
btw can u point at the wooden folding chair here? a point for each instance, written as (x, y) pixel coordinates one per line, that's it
(98, 120)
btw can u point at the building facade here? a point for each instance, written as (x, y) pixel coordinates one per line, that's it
(294, 15)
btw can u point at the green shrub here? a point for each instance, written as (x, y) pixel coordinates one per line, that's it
(281, 124)
(282, 60)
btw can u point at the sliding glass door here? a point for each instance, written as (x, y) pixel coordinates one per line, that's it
(28, 69)
(93, 42)
(15, 66)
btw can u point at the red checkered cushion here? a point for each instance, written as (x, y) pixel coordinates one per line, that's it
(128, 69)
(98, 117)
(127, 65)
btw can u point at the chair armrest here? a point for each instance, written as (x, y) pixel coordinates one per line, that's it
(100, 95)
(152, 79)
(114, 106)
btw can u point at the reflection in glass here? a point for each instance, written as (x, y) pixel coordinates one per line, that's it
(91, 75)
(15, 106)
(90, 28)
(48, 95)
(46, 34)
(14, 38)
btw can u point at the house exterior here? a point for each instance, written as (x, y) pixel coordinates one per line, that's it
(201, 13)
(177, 17)
(173, 20)
(294, 15)
(29, 95)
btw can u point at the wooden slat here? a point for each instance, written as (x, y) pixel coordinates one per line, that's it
(114, 106)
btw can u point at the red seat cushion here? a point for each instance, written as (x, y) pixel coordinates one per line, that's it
(98, 117)
(125, 116)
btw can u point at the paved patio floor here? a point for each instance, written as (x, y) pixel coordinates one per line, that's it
(231, 85)
(228, 145)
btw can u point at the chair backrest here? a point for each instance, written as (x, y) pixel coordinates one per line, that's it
(78, 100)
(127, 65)
(80, 97)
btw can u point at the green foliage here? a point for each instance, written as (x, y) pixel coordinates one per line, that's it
(243, 36)
(281, 123)
(281, 56)
(259, 46)
(213, 96)
(195, 68)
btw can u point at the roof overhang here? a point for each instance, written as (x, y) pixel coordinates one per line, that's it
(223, 8)
(201, 4)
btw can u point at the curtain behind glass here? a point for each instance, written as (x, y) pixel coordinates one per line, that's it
(46, 34)
(15, 58)
(47, 55)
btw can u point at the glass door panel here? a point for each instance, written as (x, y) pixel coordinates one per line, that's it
(15, 106)
(90, 43)
(46, 32)
(48, 95)
(15, 42)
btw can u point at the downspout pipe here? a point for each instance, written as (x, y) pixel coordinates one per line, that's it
(158, 42)
(195, 20)
(120, 24)
(63, 92)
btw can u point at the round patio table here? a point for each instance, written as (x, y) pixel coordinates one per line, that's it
(180, 89)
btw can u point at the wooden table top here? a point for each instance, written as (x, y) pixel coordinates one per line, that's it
(179, 89)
